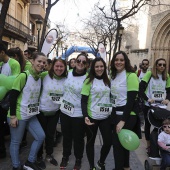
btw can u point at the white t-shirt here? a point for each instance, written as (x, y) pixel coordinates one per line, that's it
(52, 93)
(164, 137)
(157, 89)
(99, 106)
(71, 103)
(119, 89)
(141, 75)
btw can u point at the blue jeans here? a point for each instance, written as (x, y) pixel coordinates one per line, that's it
(165, 160)
(34, 127)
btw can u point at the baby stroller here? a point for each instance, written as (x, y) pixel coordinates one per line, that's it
(156, 114)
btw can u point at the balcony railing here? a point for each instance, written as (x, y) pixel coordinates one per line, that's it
(37, 2)
(16, 26)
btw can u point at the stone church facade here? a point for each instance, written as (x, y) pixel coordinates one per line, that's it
(157, 36)
(160, 36)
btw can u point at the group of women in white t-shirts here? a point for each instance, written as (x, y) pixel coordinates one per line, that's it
(84, 102)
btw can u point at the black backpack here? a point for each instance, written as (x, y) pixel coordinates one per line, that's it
(139, 104)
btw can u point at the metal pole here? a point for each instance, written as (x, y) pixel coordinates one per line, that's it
(120, 39)
(38, 40)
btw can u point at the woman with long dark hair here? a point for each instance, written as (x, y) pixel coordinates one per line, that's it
(96, 108)
(124, 90)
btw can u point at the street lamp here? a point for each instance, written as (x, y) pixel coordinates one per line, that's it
(121, 29)
(38, 26)
(65, 49)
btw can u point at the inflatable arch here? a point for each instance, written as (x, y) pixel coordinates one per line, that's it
(79, 49)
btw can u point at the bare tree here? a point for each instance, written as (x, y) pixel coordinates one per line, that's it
(3, 16)
(98, 29)
(119, 13)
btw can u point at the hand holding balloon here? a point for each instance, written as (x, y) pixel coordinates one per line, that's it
(128, 139)
(119, 126)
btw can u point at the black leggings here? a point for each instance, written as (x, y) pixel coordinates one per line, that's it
(147, 124)
(121, 155)
(48, 124)
(73, 130)
(91, 132)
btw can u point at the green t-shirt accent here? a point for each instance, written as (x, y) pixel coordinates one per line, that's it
(147, 76)
(132, 84)
(12, 67)
(15, 66)
(20, 81)
(18, 85)
(28, 65)
(168, 82)
(86, 91)
(70, 70)
(43, 74)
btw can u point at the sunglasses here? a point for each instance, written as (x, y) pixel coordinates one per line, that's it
(80, 61)
(144, 64)
(166, 126)
(160, 64)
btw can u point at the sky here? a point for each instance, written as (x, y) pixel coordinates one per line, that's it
(70, 12)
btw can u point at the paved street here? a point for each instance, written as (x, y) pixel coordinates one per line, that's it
(136, 160)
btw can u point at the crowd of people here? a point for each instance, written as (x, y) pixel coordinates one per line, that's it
(84, 98)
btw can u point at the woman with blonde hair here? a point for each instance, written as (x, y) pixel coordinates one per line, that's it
(154, 87)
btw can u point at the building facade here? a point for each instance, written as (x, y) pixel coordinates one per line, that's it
(151, 38)
(20, 24)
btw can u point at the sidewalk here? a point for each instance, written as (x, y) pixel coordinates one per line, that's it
(137, 158)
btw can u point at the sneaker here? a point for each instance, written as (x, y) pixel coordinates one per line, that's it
(93, 168)
(31, 166)
(41, 163)
(51, 159)
(19, 168)
(77, 165)
(100, 166)
(64, 163)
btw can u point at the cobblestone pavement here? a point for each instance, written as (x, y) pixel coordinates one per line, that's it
(135, 163)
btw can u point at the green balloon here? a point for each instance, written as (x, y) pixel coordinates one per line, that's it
(9, 82)
(128, 139)
(3, 79)
(3, 92)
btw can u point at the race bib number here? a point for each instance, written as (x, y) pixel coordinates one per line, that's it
(33, 109)
(113, 99)
(56, 98)
(158, 95)
(103, 108)
(67, 107)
